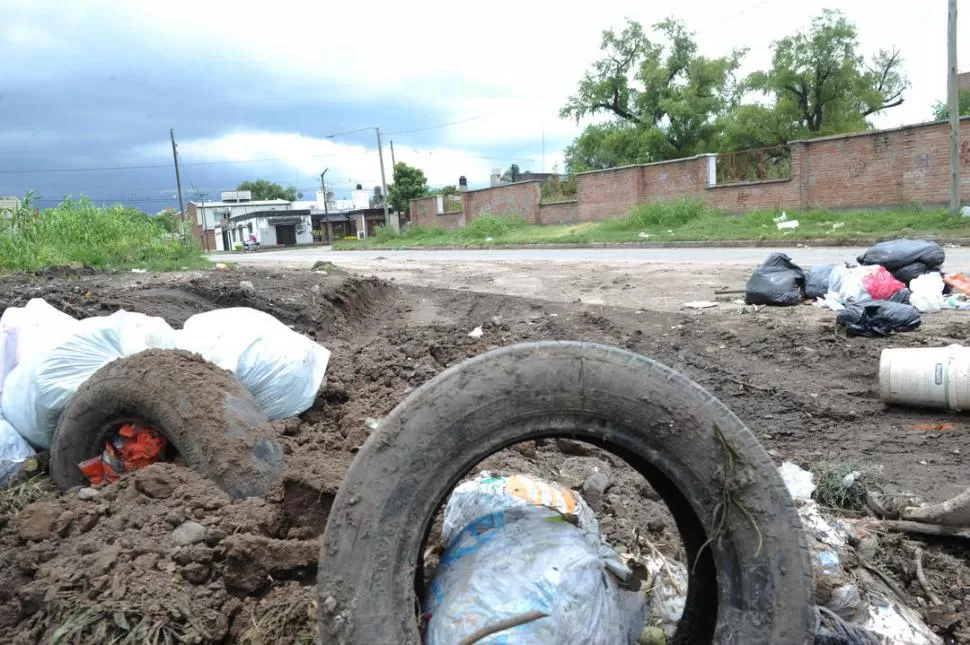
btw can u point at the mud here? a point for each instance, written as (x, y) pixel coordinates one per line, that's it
(92, 569)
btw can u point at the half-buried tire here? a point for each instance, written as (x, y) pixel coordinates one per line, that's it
(209, 418)
(750, 571)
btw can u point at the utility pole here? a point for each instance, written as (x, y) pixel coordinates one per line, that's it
(380, 155)
(323, 189)
(953, 101)
(393, 162)
(178, 178)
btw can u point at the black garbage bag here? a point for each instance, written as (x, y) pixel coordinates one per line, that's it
(817, 280)
(831, 629)
(878, 318)
(901, 296)
(778, 281)
(895, 254)
(911, 271)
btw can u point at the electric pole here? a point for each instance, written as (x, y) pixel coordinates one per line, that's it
(380, 155)
(953, 101)
(393, 162)
(178, 178)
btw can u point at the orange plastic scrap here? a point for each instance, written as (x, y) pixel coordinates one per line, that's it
(958, 281)
(133, 447)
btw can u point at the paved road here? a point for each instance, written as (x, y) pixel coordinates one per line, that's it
(956, 257)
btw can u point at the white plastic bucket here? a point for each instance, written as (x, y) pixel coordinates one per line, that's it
(933, 377)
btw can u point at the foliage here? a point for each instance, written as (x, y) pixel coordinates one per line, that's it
(941, 111)
(445, 191)
(78, 232)
(169, 221)
(485, 226)
(511, 174)
(384, 234)
(409, 183)
(664, 99)
(822, 86)
(667, 214)
(557, 188)
(263, 189)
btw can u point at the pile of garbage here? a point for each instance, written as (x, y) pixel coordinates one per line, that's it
(886, 291)
(46, 355)
(524, 556)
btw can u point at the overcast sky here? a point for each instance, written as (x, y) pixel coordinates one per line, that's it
(87, 84)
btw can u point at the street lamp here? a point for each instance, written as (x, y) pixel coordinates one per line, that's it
(380, 154)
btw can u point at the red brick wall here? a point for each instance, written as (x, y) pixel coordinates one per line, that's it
(424, 212)
(608, 194)
(559, 213)
(511, 199)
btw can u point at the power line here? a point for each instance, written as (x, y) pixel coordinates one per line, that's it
(437, 127)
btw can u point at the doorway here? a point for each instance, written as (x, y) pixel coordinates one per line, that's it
(286, 235)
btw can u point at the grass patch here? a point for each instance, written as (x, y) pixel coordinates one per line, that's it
(683, 221)
(283, 621)
(97, 624)
(843, 484)
(108, 238)
(21, 494)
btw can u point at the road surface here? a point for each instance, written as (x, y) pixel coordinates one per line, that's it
(640, 278)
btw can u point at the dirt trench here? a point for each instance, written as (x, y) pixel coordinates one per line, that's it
(165, 555)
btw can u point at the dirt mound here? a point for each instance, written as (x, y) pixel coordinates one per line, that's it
(164, 554)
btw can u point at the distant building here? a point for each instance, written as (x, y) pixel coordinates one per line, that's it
(963, 81)
(219, 225)
(496, 177)
(8, 204)
(342, 218)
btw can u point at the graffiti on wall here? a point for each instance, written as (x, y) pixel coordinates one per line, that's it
(925, 163)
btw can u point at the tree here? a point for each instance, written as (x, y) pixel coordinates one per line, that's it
(409, 183)
(263, 189)
(822, 86)
(663, 100)
(168, 220)
(446, 191)
(941, 111)
(511, 174)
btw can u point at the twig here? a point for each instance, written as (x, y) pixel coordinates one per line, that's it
(655, 552)
(921, 576)
(751, 385)
(501, 626)
(882, 576)
(918, 527)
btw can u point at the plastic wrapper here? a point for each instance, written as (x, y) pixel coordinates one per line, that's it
(927, 293)
(520, 544)
(778, 281)
(958, 282)
(881, 284)
(878, 318)
(282, 369)
(14, 451)
(817, 280)
(896, 254)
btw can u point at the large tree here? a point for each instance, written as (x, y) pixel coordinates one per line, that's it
(409, 183)
(822, 85)
(512, 174)
(662, 99)
(263, 189)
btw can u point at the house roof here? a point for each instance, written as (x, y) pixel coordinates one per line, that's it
(270, 215)
(262, 202)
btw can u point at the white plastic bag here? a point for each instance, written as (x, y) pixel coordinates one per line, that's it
(524, 559)
(29, 331)
(14, 451)
(39, 389)
(282, 369)
(927, 293)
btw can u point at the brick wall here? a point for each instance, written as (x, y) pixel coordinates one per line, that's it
(559, 213)
(880, 169)
(511, 199)
(424, 212)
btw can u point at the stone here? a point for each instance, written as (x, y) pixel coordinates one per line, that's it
(575, 470)
(247, 287)
(214, 536)
(189, 533)
(593, 489)
(195, 573)
(576, 448)
(153, 483)
(87, 493)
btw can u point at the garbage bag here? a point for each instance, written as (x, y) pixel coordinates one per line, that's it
(895, 254)
(282, 369)
(849, 284)
(29, 331)
(833, 630)
(525, 559)
(927, 293)
(14, 451)
(778, 281)
(878, 318)
(910, 272)
(881, 284)
(817, 280)
(903, 296)
(39, 389)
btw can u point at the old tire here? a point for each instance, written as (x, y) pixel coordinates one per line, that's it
(751, 586)
(207, 415)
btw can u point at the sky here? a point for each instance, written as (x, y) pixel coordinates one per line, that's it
(89, 89)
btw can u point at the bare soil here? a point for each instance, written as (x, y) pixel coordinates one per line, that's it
(87, 570)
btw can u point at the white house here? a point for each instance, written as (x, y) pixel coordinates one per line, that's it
(221, 225)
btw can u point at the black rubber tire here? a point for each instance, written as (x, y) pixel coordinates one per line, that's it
(750, 587)
(208, 416)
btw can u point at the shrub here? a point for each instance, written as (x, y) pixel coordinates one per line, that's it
(666, 214)
(492, 226)
(385, 234)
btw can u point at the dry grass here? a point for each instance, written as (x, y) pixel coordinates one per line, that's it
(831, 490)
(15, 498)
(102, 625)
(292, 621)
